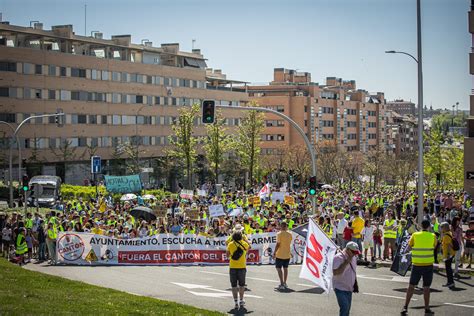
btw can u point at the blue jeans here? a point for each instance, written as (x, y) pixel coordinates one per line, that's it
(344, 300)
(42, 251)
(358, 241)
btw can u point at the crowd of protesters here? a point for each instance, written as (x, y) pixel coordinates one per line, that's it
(374, 221)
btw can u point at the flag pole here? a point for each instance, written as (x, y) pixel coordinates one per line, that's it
(319, 227)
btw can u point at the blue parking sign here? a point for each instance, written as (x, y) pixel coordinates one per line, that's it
(95, 164)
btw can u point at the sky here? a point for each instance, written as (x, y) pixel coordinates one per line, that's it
(248, 38)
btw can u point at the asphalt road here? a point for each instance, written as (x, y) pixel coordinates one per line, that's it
(381, 291)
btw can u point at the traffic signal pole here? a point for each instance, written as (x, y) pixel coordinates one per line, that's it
(292, 123)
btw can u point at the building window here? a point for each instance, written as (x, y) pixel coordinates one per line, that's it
(38, 69)
(78, 72)
(38, 93)
(351, 124)
(62, 71)
(103, 119)
(94, 74)
(51, 70)
(7, 66)
(92, 119)
(82, 142)
(8, 117)
(115, 76)
(82, 119)
(73, 118)
(116, 98)
(139, 99)
(27, 69)
(52, 94)
(4, 92)
(65, 95)
(105, 75)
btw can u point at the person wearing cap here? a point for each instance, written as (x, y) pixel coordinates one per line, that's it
(422, 246)
(282, 255)
(237, 267)
(344, 276)
(341, 225)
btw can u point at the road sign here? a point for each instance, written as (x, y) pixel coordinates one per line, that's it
(470, 175)
(95, 164)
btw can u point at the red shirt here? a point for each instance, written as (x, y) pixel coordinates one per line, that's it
(347, 234)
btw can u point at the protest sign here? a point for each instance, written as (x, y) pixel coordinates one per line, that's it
(318, 258)
(191, 213)
(162, 249)
(255, 200)
(186, 194)
(123, 184)
(236, 212)
(278, 196)
(289, 200)
(160, 211)
(216, 210)
(201, 192)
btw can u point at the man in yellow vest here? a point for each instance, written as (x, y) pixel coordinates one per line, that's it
(422, 246)
(51, 243)
(20, 245)
(389, 236)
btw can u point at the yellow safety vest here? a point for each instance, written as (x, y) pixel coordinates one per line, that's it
(422, 252)
(29, 223)
(52, 234)
(389, 233)
(21, 247)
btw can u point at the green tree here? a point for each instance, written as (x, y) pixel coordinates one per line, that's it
(217, 143)
(183, 141)
(433, 158)
(248, 141)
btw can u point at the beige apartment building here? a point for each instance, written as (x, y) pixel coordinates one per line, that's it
(469, 140)
(402, 107)
(336, 112)
(112, 91)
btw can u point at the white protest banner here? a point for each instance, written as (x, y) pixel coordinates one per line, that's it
(278, 196)
(318, 258)
(236, 212)
(186, 194)
(216, 210)
(162, 249)
(201, 192)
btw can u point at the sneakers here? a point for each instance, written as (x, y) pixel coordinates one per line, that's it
(236, 305)
(429, 312)
(404, 310)
(285, 286)
(280, 287)
(450, 285)
(242, 303)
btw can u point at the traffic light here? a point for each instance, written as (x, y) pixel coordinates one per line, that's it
(25, 181)
(208, 111)
(312, 186)
(59, 119)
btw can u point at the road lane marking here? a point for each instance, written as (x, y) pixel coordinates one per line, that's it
(462, 305)
(179, 268)
(250, 278)
(393, 279)
(191, 285)
(220, 295)
(389, 296)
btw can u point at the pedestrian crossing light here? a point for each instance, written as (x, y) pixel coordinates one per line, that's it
(25, 183)
(208, 111)
(312, 186)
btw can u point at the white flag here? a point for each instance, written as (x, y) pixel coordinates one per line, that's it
(264, 192)
(318, 258)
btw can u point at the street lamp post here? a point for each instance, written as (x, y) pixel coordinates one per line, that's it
(419, 61)
(14, 137)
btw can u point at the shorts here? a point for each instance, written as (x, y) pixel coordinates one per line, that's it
(6, 244)
(421, 271)
(281, 263)
(368, 244)
(237, 276)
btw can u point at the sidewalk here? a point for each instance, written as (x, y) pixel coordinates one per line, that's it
(437, 267)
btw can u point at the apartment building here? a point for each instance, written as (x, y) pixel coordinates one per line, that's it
(402, 107)
(469, 140)
(334, 113)
(112, 91)
(402, 133)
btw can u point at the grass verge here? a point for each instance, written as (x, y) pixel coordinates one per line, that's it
(24, 292)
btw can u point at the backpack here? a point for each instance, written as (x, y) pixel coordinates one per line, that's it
(238, 252)
(455, 242)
